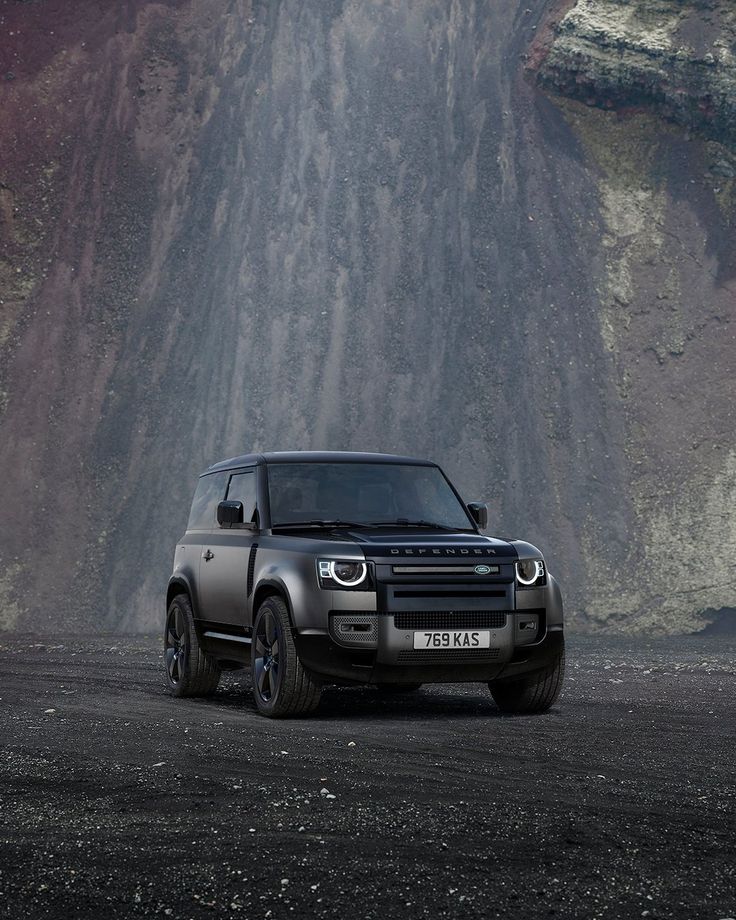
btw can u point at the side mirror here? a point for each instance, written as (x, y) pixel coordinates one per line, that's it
(229, 513)
(479, 513)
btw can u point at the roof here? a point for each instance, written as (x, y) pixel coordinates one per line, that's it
(314, 456)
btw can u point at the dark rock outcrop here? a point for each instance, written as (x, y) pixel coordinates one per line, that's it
(676, 57)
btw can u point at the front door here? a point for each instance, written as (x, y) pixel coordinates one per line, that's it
(223, 569)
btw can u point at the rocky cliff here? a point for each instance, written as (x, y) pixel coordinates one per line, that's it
(334, 224)
(675, 57)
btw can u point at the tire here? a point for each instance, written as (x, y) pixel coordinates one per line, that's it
(532, 693)
(189, 671)
(282, 686)
(399, 688)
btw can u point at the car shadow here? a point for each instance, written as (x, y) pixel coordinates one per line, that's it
(351, 703)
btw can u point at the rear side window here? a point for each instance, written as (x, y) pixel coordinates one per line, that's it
(242, 488)
(210, 491)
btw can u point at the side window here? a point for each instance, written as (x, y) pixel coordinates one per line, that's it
(210, 491)
(242, 488)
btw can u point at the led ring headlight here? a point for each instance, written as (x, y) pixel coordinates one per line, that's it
(348, 573)
(523, 569)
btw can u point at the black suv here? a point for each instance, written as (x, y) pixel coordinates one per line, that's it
(353, 568)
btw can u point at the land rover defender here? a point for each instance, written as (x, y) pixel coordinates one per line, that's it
(355, 568)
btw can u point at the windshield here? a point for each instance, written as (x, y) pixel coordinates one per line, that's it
(363, 494)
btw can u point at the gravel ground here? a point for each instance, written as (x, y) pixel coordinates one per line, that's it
(120, 801)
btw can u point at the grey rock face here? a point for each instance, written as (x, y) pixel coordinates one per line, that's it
(351, 225)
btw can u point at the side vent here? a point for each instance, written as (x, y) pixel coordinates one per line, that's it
(251, 568)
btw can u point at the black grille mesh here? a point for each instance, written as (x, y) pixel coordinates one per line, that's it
(450, 619)
(342, 626)
(434, 656)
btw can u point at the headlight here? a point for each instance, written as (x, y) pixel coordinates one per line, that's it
(337, 573)
(530, 572)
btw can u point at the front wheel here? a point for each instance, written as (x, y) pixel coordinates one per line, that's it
(282, 686)
(530, 693)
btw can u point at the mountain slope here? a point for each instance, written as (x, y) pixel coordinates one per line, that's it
(341, 225)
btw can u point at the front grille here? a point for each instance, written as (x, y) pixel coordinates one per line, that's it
(450, 619)
(457, 595)
(443, 570)
(447, 656)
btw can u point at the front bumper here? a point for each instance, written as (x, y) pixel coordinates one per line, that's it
(368, 637)
(385, 653)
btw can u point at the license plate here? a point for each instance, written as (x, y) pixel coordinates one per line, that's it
(453, 639)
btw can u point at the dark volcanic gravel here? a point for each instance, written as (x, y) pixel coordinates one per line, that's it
(118, 800)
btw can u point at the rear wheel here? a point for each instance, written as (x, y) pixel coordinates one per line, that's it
(282, 686)
(531, 693)
(189, 671)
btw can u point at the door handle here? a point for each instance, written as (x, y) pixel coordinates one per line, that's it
(208, 555)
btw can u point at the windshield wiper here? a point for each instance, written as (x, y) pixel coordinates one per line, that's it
(337, 522)
(404, 522)
(320, 523)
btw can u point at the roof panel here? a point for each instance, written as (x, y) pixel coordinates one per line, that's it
(314, 456)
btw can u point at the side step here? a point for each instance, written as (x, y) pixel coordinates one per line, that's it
(211, 634)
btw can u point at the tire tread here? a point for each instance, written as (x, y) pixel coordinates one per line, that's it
(202, 672)
(532, 694)
(300, 692)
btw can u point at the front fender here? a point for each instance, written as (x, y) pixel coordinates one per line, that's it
(271, 581)
(554, 603)
(293, 573)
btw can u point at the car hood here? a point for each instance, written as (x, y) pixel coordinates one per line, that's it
(429, 544)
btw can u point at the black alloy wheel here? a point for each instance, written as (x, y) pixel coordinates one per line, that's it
(267, 671)
(175, 647)
(282, 686)
(189, 670)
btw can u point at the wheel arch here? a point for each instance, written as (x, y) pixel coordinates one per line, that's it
(271, 587)
(180, 585)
